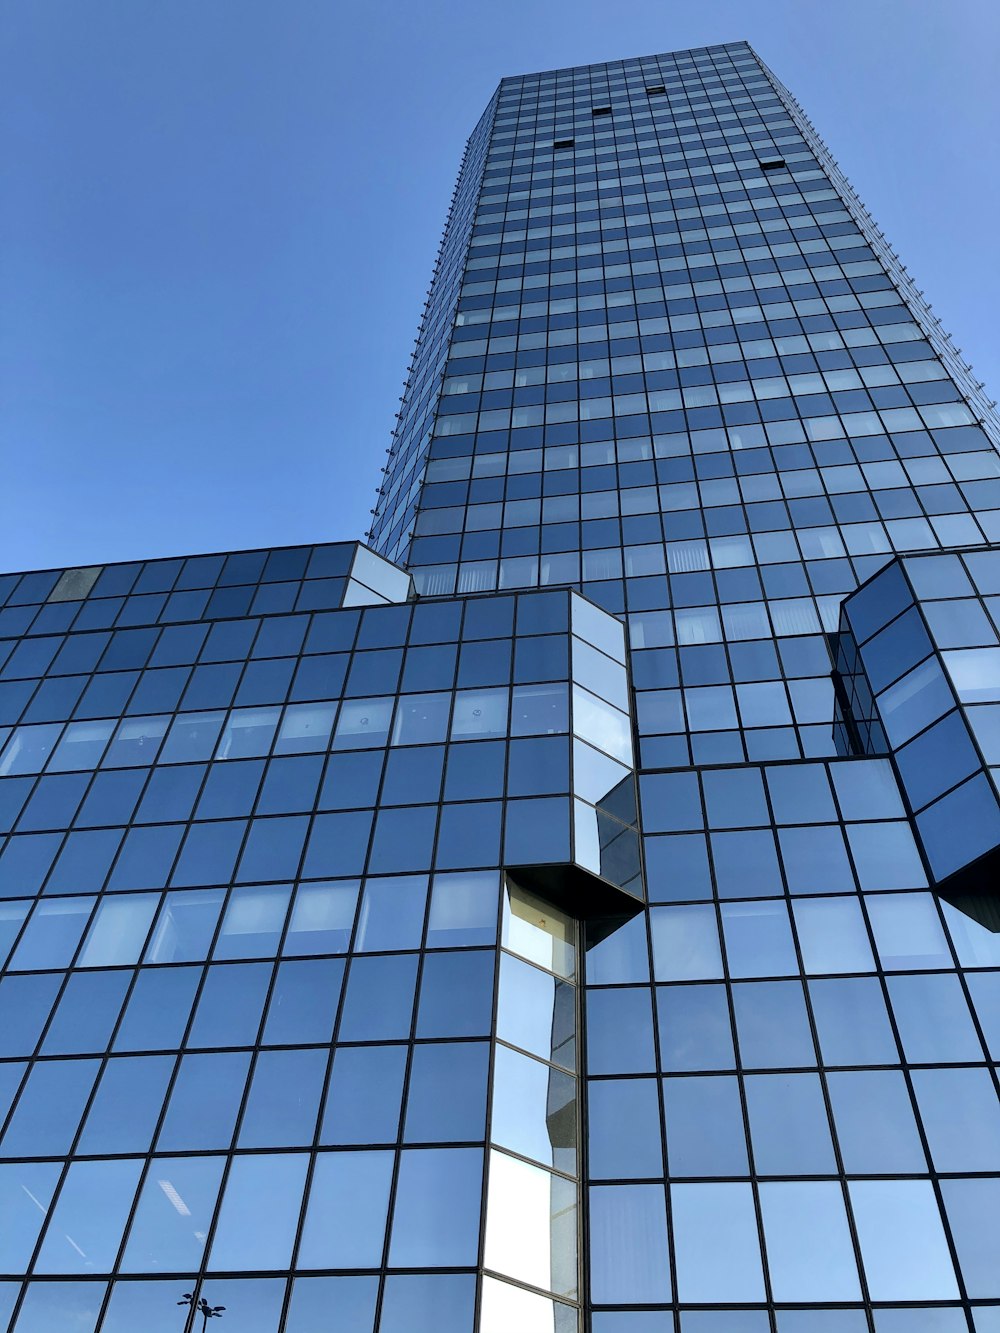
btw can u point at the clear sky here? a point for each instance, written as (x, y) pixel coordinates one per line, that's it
(218, 219)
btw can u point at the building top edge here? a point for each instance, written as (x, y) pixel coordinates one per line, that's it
(714, 48)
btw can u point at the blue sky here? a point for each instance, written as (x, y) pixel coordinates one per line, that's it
(219, 218)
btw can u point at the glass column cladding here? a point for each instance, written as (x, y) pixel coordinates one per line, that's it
(531, 1254)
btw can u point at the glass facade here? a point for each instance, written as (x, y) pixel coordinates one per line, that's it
(577, 911)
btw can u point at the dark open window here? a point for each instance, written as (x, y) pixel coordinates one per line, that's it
(653, 88)
(600, 111)
(564, 143)
(771, 163)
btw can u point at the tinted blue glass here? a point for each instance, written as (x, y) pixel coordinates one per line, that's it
(459, 1067)
(204, 1102)
(49, 1109)
(364, 1095)
(87, 1012)
(229, 1007)
(378, 1004)
(695, 1030)
(304, 999)
(342, 1304)
(126, 1106)
(283, 1101)
(344, 1225)
(619, 1027)
(705, 1135)
(428, 1303)
(435, 1220)
(456, 995)
(772, 1025)
(613, 1104)
(158, 1009)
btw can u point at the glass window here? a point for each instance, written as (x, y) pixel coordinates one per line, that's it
(421, 719)
(531, 1225)
(158, 1009)
(875, 1124)
(230, 1005)
(628, 1245)
(902, 1241)
(428, 1303)
(537, 1012)
(695, 1030)
(832, 935)
(534, 1109)
(685, 943)
(248, 1236)
(335, 1304)
(404, 839)
(304, 1001)
(127, 1104)
(85, 1228)
(933, 1018)
(746, 864)
(852, 1022)
(173, 1215)
(985, 988)
(346, 1214)
(716, 1243)
(283, 1104)
(322, 918)
(908, 932)
(185, 926)
(118, 931)
(705, 1135)
(252, 925)
(435, 1221)
(479, 714)
(734, 798)
(619, 1031)
(52, 934)
(49, 1305)
(789, 1129)
(462, 1068)
(87, 1013)
(363, 1101)
(204, 1102)
(809, 1249)
(613, 1103)
(48, 1112)
(800, 794)
(26, 1190)
(273, 848)
(961, 1118)
(758, 939)
(505, 1306)
(815, 860)
(456, 994)
(392, 914)
(378, 1005)
(463, 910)
(772, 1025)
(972, 1206)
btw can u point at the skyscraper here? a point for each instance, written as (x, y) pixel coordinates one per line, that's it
(578, 909)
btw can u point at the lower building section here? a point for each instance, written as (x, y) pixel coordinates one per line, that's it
(356, 980)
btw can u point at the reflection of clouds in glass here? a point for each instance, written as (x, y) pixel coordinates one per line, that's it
(975, 672)
(605, 726)
(526, 1235)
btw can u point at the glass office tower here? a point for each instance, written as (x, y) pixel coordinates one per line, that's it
(576, 911)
